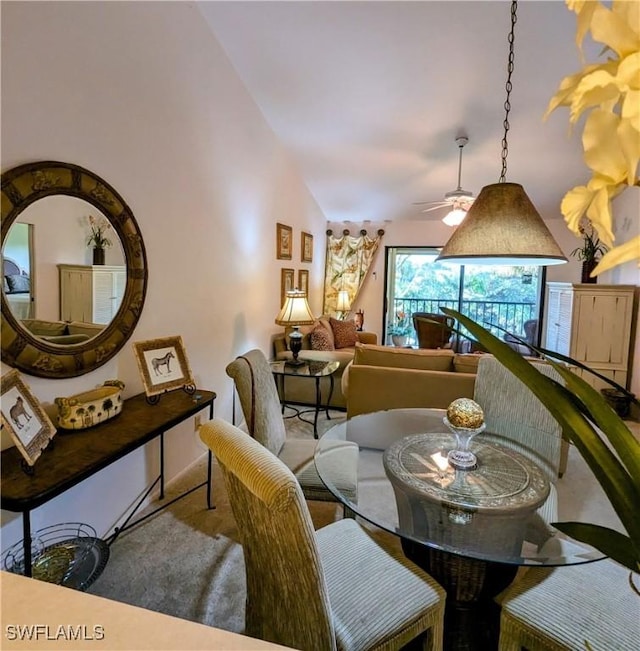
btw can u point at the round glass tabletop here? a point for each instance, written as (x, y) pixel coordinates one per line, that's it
(500, 510)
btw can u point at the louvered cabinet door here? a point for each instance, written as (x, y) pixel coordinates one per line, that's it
(592, 324)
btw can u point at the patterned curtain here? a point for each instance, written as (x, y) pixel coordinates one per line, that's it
(347, 263)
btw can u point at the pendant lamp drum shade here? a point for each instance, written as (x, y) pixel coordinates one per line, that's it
(502, 227)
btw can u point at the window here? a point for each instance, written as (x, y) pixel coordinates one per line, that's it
(502, 296)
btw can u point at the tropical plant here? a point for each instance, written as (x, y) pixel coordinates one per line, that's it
(599, 434)
(98, 227)
(610, 91)
(401, 325)
(592, 248)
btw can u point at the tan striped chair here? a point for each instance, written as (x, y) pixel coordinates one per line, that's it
(513, 411)
(564, 608)
(262, 412)
(334, 589)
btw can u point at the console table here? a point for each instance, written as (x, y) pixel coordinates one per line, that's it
(74, 456)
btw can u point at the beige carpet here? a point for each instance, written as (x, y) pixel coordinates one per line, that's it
(186, 561)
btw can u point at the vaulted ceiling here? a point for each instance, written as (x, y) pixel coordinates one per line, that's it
(368, 97)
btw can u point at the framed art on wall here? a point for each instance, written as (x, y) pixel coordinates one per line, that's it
(284, 242)
(303, 281)
(286, 283)
(24, 417)
(306, 254)
(163, 365)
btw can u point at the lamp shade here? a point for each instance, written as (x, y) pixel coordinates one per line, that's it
(295, 310)
(502, 227)
(343, 303)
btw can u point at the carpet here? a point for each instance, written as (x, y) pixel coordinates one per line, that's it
(186, 561)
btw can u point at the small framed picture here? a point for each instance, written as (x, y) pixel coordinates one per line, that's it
(163, 365)
(24, 417)
(284, 242)
(303, 281)
(286, 283)
(306, 254)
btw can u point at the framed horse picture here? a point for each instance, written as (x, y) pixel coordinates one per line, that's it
(163, 366)
(24, 418)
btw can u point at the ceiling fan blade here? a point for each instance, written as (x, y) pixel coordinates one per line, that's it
(443, 204)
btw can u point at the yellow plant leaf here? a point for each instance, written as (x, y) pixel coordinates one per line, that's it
(628, 73)
(599, 212)
(613, 30)
(568, 85)
(629, 137)
(602, 152)
(593, 90)
(584, 12)
(574, 204)
(619, 255)
(629, 12)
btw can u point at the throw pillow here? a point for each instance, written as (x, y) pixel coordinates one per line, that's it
(344, 333)
(320, 339)
(18, 283)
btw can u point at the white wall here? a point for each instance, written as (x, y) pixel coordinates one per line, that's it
(141, 94)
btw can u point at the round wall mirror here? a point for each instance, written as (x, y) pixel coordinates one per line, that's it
(68, 306)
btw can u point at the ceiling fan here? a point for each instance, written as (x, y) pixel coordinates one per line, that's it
(458, 200)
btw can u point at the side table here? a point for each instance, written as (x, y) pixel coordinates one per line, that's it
(314, 370)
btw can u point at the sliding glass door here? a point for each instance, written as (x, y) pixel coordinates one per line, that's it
(493, 296)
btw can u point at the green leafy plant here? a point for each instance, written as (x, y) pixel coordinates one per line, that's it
(592, 248)
(98, 227)
(599, 434)
(401, 325)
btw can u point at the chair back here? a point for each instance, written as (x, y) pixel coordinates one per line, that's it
(259, 399)
(513, 411)
(287, 598)
(432, 335)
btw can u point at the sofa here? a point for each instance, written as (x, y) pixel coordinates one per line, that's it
(62, 332)
(382, 377)
(328, 339)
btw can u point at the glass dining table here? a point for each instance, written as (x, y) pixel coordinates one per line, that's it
(470, 529)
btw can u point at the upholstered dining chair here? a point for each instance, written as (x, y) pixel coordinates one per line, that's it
(260, 404)
(430, 334)
(513, 411)
(563, 608)
(332, 589)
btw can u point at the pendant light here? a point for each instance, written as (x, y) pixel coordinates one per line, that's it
(503, 226)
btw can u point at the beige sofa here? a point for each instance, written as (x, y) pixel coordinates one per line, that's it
(382, 377)
(303, 391)
(62, 332)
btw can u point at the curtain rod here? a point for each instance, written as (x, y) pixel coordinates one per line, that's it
(346, 231)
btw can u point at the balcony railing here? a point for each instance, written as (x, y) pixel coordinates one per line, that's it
(506, 314)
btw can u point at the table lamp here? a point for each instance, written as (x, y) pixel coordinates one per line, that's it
(343, 304)
(295, 312)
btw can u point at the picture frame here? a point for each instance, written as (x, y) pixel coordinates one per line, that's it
(163, 365)
(24, 417)
(303, 281)
(287, 283)
(306, 246)
(284, 242)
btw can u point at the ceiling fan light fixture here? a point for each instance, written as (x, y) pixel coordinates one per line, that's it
(455, 217)
(502, 225)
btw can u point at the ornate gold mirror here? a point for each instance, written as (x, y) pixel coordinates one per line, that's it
(59, 198)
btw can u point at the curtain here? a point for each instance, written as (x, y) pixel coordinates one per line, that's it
(347, 262)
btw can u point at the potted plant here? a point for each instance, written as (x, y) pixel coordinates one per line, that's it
(590, 252)
(98, 226)
(400, 329)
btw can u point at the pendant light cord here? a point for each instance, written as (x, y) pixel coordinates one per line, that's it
(508, 87)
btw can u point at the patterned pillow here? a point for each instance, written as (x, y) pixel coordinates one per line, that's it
(320, 339)
(344, 333)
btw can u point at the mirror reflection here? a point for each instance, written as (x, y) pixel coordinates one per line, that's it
(49, 271)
